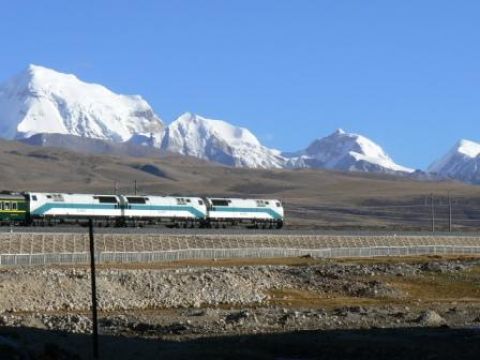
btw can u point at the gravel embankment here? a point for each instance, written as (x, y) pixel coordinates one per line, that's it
(229, 299)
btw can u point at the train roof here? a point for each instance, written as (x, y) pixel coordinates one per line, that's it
(12, 197)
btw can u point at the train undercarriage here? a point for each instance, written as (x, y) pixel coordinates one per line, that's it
(185, 223)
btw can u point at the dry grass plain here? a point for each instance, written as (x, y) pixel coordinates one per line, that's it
(313, 198)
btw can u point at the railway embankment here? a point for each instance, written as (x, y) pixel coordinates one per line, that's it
(248, 298)
(189, 300)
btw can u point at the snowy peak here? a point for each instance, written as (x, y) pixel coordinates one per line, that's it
(468, 148)
(42, 79)
(219, 141)
(222, 142)
(42, 100)
(462, 162)
(348, 152)
(189, 123)
(462, 152)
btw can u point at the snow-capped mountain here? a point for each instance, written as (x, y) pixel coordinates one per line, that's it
(462, 162)
(347, 152)
(219, 141)
(41, 100)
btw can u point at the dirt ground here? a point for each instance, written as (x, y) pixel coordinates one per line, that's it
(294, 308)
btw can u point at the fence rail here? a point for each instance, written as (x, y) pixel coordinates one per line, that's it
(53, 248)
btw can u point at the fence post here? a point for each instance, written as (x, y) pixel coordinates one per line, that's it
(449, 212)
(433, 215)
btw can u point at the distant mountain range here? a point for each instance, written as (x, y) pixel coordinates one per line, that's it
(43, 107)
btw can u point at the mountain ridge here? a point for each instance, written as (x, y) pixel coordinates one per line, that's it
(40, 101)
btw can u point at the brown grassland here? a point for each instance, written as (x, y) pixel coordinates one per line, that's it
(312, 198)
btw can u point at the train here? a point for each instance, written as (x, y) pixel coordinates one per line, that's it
(50, 209)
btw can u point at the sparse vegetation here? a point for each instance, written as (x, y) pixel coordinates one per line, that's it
(313, 198)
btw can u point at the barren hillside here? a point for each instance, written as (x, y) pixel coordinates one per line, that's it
(312, 197)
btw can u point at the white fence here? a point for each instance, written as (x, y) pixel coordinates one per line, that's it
(48, 248)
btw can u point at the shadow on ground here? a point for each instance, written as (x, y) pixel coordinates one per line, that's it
(28, 343)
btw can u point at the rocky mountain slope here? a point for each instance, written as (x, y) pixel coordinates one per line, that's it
(93, 146)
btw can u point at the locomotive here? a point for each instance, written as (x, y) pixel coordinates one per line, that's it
(49, 209)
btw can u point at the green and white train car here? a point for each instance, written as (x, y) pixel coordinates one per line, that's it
(35, 208)
(52, 208)
(13, 209)
(265, 213)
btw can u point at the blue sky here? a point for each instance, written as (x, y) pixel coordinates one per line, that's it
(404, 73)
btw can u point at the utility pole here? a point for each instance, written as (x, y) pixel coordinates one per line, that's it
(449, 212)
(433, 214)
(94, 291)
(135, 186)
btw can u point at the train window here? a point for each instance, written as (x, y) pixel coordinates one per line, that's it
(34, 197)
(14, 206)
(106, 199)
(1, 205)
(6, 205)
(220, 202)
(267, 203)
(57, 197)
(200, 202)
(188, 200)
(260, 203)
(181, 201)
(136, 200)
(278, 204)
(49, 196)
